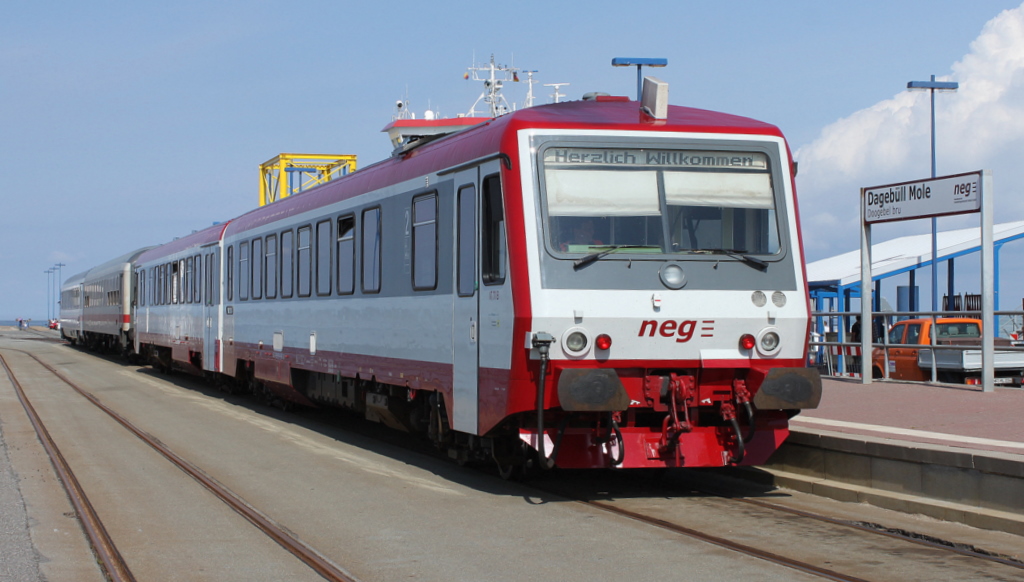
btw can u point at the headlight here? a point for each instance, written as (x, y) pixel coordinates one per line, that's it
(672, 276)
(758, 298)
(576, 342)
(779, 299)
(769, 342)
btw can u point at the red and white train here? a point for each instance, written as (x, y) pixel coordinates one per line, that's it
(577, 284)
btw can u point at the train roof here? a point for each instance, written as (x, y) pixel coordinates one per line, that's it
(210, 234)
(111, 267)
(608, 113)
(618, 114)
(74, 280)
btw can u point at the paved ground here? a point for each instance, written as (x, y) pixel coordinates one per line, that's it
(951, 415)
(18, 558)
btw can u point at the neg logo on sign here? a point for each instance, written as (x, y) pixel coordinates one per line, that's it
(923, 198)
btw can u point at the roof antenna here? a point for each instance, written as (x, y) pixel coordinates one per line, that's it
(639, 64)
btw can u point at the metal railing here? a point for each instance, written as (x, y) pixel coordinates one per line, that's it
(835, 353)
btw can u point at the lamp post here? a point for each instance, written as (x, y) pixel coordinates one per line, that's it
(56, 291)
(933, 86)
(639, 64)
(49, 290)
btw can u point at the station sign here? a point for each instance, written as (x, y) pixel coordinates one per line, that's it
(943, 196)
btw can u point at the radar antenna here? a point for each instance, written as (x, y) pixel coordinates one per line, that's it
(555, 94)
(530, 82)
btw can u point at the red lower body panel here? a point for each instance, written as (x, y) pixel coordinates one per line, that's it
(702, 447)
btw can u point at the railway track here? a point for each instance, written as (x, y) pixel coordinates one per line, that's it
(653, 503)
(112, 563)
(930, 550)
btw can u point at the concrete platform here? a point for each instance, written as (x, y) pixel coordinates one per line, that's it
(951, 452)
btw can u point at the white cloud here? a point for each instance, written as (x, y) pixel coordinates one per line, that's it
(980, 126)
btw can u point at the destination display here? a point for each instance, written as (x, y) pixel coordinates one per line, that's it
(959, 194)
(655, 158)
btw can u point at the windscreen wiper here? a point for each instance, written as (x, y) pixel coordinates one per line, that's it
(735, 254)
(584, 261)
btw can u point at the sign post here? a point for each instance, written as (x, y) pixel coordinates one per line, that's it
(942, 196)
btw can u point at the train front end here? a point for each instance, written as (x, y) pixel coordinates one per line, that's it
(668, 313)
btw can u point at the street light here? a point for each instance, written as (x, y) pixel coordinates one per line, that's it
(49, 289)
(639, 64)
(933, 86)
(56, 291)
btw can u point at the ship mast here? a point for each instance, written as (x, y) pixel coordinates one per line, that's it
(493, 77)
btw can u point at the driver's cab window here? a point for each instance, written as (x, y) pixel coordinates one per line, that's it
(579, 233)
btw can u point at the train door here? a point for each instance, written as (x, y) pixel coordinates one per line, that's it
(466, 310)
(481, 300)
(211, 314)
(138, 307)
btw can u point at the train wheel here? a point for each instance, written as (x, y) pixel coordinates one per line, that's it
(517, 464)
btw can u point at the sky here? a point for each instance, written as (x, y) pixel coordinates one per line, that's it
(127, 124)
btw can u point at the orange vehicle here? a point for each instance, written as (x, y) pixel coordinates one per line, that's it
(908, 336)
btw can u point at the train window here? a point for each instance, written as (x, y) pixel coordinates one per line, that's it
(215, 279)
(257, 268)
(177, 268)
(270, 266)
(424, 242)
(208, 278)
(230, 264)
(197, 279)
(678, 201)
(492, 233)
(244, 276)
(287, 264)
(346, 254)
(305, 261)
(323, 257)
(141, 293)
(466, 253)
(189, 276)
(211, 279)
(371, 262)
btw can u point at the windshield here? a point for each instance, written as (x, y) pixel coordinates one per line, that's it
(659, 201)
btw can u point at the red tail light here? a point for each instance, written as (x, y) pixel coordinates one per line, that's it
(747, 341)
(603, 341)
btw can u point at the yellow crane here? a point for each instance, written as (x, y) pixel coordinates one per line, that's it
(289, 174)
